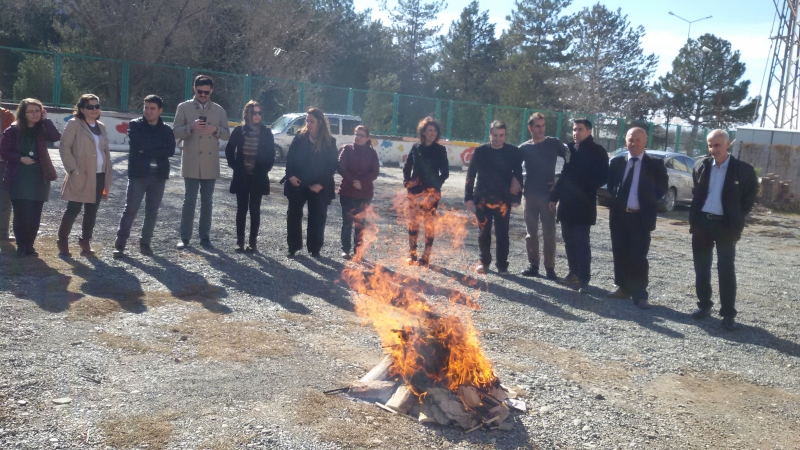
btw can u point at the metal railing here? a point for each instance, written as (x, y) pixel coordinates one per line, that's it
(58, 79)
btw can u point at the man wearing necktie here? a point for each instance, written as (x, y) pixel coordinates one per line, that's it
(636, 182)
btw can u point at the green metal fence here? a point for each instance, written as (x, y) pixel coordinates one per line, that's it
(59, 79)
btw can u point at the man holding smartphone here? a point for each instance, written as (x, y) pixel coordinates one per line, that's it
(201, 124)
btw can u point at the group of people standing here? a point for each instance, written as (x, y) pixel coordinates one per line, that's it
(725, 188)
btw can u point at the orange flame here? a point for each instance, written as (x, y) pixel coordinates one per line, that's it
(429, 342)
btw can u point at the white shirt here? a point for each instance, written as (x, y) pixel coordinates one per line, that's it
(101, 162)
(713, 204)
(633, 196)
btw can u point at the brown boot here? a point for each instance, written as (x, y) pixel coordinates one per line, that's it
(86, 247)
(63, 248)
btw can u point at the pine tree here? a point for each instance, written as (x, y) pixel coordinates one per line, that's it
(468, 57)
(704, 86)
(414, 37)
(610, 72)
(537, 45)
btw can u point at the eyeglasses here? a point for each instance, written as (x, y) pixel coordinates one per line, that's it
(256, 113)
(202, 92)
(361, 135)
(92, 107)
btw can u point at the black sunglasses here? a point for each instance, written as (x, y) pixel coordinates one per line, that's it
(202, 92)
(256, 113)
(92, 107)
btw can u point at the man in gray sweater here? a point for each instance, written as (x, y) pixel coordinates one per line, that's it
(539, 155)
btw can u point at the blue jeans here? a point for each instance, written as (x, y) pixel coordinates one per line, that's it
(149, 189)
(579, 250)
(206, 188)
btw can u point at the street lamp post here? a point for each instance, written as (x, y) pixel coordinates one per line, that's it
(690, 22)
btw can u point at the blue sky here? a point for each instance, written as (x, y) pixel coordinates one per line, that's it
(746, 24)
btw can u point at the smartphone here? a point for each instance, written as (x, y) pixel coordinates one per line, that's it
(202, 118)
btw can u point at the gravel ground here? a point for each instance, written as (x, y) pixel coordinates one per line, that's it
(213, 349)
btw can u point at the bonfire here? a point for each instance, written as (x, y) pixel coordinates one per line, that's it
(434, 369)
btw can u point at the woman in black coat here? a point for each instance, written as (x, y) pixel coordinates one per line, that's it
(311, 162)
(250, 153)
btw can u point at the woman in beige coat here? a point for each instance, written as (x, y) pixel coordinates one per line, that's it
(87, 161)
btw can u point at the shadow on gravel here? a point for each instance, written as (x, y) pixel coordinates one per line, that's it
(32, 279)
(331, 270)
(515, 296)
(274, 282)
(113, 283)
(748, 334)
(183, 284)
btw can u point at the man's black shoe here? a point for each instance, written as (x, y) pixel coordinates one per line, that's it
(728, 323)
(118, 252)
(701, 313)
(145, 249)
(205, 243)
(531, 271)
(551, 274)
(182, 245)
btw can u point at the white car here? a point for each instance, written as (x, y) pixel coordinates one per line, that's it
(287, 125)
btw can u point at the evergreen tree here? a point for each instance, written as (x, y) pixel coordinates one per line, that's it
(537, 46)
(414, 37)
(704, 86)
(610, 72)
(468, 57)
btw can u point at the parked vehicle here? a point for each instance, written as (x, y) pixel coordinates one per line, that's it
(286, 127)
(679, 169)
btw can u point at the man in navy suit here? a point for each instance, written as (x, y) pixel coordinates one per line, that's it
(636, 183)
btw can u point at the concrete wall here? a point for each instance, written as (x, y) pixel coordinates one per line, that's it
(771, 150)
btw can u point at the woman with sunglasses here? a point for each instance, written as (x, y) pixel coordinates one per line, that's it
(250, 153)
(359, 167)
(311, 162)
(87, 161)
(29, 170)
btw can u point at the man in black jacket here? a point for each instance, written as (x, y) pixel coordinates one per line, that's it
(635, 191)
(151, 145)
(497, 166)
(575, 192)
(725, 190)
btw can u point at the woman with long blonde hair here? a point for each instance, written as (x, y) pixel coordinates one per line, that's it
(311, 162)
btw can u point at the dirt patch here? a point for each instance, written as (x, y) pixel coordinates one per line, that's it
(150, 431)
(93, 307)
(737, 414)
(129, 344)
(355, 423)
(229, 340)
(573, 364)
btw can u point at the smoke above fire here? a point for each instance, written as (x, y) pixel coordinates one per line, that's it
(427, 329)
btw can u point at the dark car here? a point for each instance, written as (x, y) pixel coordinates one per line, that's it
(679, 169)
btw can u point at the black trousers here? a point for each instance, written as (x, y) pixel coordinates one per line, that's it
(27, 216)
(353, 213)
(89, 213)
(630, 243)
(500, 215)
(317, 216)
(248, 201)
(706, 234)
(422, 208)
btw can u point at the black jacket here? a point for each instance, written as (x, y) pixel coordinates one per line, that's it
(147, 142)
(739, 191)
(490, 173)
(428, 166)
(653, 184)
(265, 158)
(585, 171)
(311, 167)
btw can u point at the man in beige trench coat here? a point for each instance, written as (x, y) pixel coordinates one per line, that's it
(201, 124)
